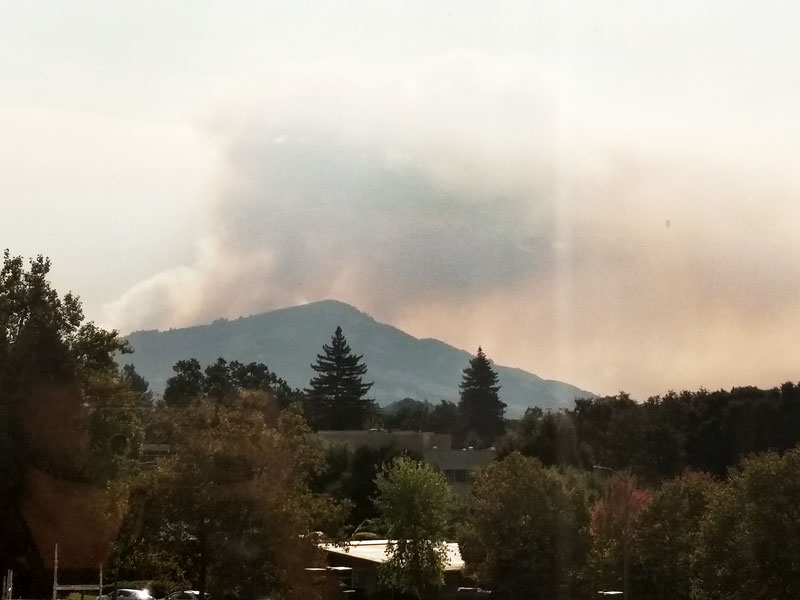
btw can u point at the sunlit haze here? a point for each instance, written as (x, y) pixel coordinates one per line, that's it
(600, 193)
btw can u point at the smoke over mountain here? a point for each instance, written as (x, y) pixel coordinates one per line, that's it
(483, 203)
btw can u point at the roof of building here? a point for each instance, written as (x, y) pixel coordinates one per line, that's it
(375, 551)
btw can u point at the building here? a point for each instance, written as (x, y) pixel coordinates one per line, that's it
(435, 448)
(361, 560)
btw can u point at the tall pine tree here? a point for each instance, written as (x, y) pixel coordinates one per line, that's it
(480, 410)
(336, 397)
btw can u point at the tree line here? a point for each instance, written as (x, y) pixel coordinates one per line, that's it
(546, 532)
(337, 395)
(691, 495)
(665, 435)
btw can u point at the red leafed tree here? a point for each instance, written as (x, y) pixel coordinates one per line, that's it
(613, 524)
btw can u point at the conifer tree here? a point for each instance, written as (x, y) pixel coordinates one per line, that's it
(480, 410)
(336, 397)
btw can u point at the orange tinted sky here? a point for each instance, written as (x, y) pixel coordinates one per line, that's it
(599, 194)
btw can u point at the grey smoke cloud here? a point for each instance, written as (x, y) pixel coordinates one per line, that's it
(377, 191)
(327, 210)
(464, 203)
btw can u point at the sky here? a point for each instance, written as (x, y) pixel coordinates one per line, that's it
(599, 193)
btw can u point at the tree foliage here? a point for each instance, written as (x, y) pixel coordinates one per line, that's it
(336, 397)
(749, 539)
(702, 431)
(407, 414)
(63, 404)
(350, 476)
(443, 417)
(186, 384)
(68, 420)
(137, 383)
(614, 521)
(480, 410)
(667, 535)
(230, 510)
(548, 436)
(29, 306)
(222, 381)
(414, 504)
(526, 530)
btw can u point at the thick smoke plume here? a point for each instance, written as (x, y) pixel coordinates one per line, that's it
(479, 205)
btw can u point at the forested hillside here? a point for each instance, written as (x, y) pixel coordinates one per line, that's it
(287, 340)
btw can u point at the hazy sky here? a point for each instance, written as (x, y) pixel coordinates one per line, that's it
(598, 192)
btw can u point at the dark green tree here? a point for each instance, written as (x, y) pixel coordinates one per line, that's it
(667, 536)
(64, 405)
(222, 380)
(187, 383)
(137, 383)
(443, 417)
(480, 410)
(525, 529)
(407, 414)
(29, 306)
(218, 384)
(68, 421)
(229, 511)
(548, 436)
(749, 538)
(257, 377)
(336, 397)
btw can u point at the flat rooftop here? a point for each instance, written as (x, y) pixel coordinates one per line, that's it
(375, 551)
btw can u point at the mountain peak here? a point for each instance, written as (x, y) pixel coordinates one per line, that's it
(287, 340)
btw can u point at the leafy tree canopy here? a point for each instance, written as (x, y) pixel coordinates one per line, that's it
(525, 533)
(749, 538)
(137, 383)
(222, 381)
(667, 536)
(614, 521)
(414, 504)
(54, 367)
(34, 317)
(229, 510)
(548, 436)
(351, 477)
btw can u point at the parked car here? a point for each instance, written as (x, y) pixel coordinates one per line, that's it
(184, 595)
(128, 594)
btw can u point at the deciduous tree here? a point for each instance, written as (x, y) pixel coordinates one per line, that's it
(614, 520)
(68, 422)
(750, 537)
(548, 436)
(230, 506)
(187, 383)
(414, 503)
(223, 380)
(667, 536)
(525, 533)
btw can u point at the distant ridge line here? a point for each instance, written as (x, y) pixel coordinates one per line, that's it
(288, 339)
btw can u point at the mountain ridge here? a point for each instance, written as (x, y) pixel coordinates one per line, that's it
(288, 340)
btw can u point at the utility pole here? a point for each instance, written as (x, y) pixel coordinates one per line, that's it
(55, 574)
(8, 585)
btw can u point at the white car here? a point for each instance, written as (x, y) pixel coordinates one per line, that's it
(184, 595)
(128, 594)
